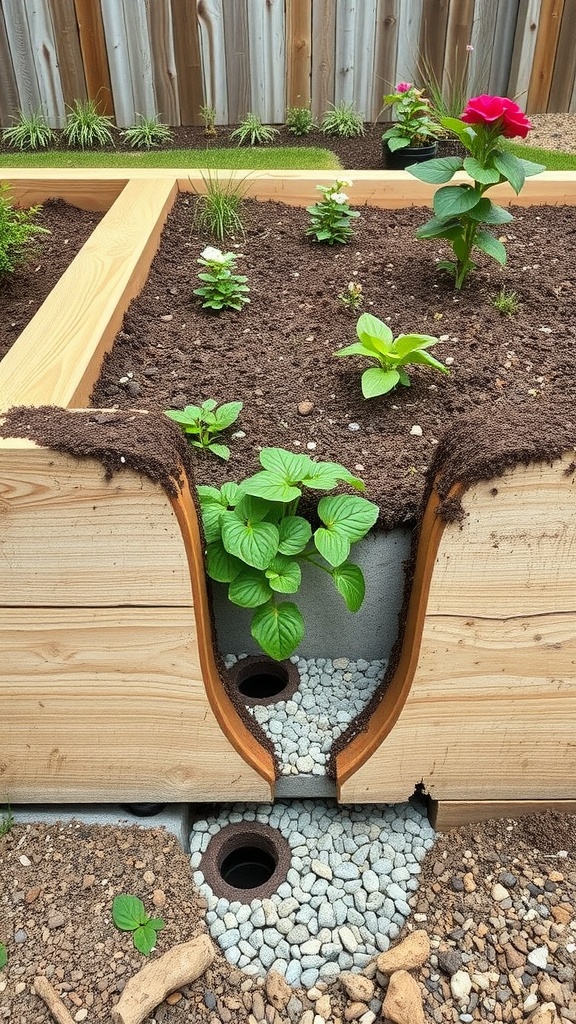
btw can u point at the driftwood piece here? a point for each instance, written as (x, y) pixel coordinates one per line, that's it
(180, 966)
(49, 995)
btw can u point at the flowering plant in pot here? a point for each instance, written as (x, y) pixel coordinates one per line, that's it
(413, 135)
(462, 212)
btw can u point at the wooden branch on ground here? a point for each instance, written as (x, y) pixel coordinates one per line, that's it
(181, 965)
(49, 995)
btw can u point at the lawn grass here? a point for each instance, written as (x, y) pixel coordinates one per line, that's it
(551, 158)
(272, 158)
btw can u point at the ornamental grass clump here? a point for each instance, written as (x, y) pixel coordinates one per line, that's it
(29, 131)
(462, 211)
(87, 128)
(222, 288)
(330, 217)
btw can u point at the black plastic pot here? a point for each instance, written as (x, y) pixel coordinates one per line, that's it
(402, 158)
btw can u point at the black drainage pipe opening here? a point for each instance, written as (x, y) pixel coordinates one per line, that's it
(261, 680)
(246, 860)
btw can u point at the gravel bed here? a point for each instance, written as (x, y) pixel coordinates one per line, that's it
(345, 897)
(331, 694)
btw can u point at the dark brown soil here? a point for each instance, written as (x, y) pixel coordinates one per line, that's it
(277, 352)
(23, 292)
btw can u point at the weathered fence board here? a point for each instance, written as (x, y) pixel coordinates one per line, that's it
(458, 37)
(323, 44)
(130, 59)
(159, 14)
(213, 51)
(298, 52)
(22, 55)
(501, 56)
(67, 39)
(355, 53)
(565, 64)
(9, 100)
(237, 46)
(188, 60)
(482, 39)
(385, 46)
(408, 34)
(543, 64)
(432, 45)
(266, 32)
(93, 47)
(523, 53)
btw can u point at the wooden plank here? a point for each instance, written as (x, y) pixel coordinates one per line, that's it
(188, 60)
(408, 35)
(237, 69)
(58, 356)
(9, 101)
(523, 52)
(72, 539)
(213, 55)
(67, 40)
(46, 59)
(109, 704)
(482, 39)
(458, 37)
(129, 59)
(453, 813)
(544, 55)
(298, 52)
(485, 702)
(267, 59)
(432, 46)
(94, 54)
(22, 54)
(355, 38)
(564, 75)
(161, 32)
(385, 46)
(85, 192)
(323, 46)
(502, 47)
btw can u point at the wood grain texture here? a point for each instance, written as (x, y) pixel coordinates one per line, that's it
(409, 23)
(564, 75)
(67, 40)
(458, 37)
(298, 52)
(57, 357)
(385, 47)
(213, 53)
(22, 55)
(237, 70)
(502, 47)
(488, 710)
(355, 38)
(544, 55)
(454, 813)
(161, 29)
(432, 45)
(9, 100)
(523, 52)
(129, 59)
(188, 60)
(94, 55)
(323, 43)
(46, 60)
(482, 38)
(267, 59)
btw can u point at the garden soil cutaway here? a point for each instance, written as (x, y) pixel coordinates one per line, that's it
(23, 292)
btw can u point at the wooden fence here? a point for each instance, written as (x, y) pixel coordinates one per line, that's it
(172, 56)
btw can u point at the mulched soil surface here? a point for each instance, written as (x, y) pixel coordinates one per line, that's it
(23, 292)
(277, 352)
(57, 884)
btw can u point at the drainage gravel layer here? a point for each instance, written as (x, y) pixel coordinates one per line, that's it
(345, 896)
(330, 695)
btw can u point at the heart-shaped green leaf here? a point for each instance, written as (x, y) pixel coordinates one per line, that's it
(324, 476)
(255, 543)
(437, 227)
(128, 912)
(287, 464)
(295, 533)
(227, 414)
(278, 628)
(221, 450)
(436, 171)
(249, 589)
(370, 329)
(349, 581)
(378, 382)
(332, 545)
(145, 939)
(272, 486)
(231, 493)
(511, 168)
(476, 170)
(284, 575)
(491, 246)
(490, 213)
(351, 516)
(452, 200)
(406, 343)
(220, 564)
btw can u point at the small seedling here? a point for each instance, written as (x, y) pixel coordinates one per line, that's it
(252, 132)
(17, 233)
(29, 131)
(147, 132)
(222, 288)
(129, 915)
(299, 120)
(344, 121)
(208, 118)
(85, 127)
(218, 210)
(6, 822)
(204, 424)
(376, 341)
(506, 302)
(3, 956)
(353, 297)
(330, 217)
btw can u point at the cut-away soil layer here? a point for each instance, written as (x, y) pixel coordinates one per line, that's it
(498, 901)
(277, 353)
(23, 292)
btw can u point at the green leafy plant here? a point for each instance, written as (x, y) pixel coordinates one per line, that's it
(3, 956)
(414, 125)
(29, 131)
(204, 424)
(146, 133)
(222, 288)
(461, 210)
(17, 233)
(87, 128)
(353, 297)
(330, 217)
(252, 132)
(506, 302)
(129, 915)
(299, 120)
(6, 822)
(344, 121)
(257, 544)
(208, 118)
(218, 209)
(376, 341)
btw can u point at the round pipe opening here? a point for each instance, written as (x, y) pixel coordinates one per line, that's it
(246, 860)
(260, 680)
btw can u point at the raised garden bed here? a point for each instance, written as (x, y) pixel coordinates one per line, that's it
(114, 510)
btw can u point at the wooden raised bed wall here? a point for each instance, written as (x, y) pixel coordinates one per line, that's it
(109, 687)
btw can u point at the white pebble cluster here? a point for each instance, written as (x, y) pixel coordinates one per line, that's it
(345, 896)
(330, 695)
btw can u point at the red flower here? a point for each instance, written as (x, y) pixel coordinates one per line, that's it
(489, 110)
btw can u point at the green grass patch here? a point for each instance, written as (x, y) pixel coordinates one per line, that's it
(551, 158)
(247, 159)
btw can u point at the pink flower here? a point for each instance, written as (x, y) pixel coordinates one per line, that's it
(403, 86)
(494, 111)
